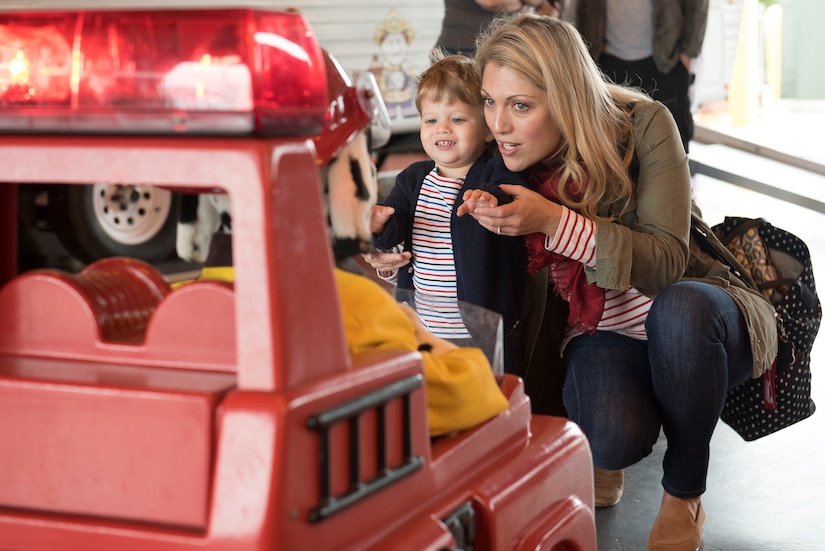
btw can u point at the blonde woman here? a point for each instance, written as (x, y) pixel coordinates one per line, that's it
(657, 332)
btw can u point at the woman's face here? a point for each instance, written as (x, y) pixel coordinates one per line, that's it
(517, 113)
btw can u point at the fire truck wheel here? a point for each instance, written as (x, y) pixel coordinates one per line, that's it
(102, 220)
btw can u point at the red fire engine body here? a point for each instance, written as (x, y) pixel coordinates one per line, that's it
(231, 416)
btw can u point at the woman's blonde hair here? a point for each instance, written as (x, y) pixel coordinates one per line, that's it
(594, 116)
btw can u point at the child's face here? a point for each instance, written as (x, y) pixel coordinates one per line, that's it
(453, 135)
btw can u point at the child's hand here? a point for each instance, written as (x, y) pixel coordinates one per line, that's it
(379, 214)
(386, 263)
(474, 198)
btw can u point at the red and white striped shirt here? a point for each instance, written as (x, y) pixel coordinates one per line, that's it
(434, 278)
(625, 311)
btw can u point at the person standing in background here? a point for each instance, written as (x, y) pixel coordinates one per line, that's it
(648, 44)
(464, 19)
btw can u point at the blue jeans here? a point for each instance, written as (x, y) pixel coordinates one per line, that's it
(621, 391)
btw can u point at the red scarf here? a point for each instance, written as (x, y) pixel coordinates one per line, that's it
(567, 276)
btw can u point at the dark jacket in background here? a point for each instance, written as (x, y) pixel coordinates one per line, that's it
(678, 28)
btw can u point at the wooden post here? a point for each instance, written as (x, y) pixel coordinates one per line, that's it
(744, 91)
(773, 49)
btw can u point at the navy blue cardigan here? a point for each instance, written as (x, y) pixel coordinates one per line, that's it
(490, 268)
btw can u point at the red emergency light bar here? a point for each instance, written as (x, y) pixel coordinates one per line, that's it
(213, 71)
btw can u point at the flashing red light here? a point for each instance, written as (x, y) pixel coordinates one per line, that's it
(224, 71)
(352, 107)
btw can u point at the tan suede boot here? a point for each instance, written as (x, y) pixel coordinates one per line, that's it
(608, 486)
(678, 526)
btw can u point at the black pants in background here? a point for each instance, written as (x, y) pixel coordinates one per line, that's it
(669, 88)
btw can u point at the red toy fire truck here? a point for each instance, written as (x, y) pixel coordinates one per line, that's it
(214, 415)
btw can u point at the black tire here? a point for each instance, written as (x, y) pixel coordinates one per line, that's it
(103, 220)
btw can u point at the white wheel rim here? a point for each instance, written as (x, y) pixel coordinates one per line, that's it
(131, 215)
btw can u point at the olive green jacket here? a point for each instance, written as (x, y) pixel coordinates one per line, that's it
(678, 28)
(651, 246)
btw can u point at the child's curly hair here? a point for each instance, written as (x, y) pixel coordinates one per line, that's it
(450, 78)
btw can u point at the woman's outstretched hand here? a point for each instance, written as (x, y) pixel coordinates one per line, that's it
(529, 212)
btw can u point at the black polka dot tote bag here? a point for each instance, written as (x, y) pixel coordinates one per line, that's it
(780, 265)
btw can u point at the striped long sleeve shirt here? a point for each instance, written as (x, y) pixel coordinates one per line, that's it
(625, 311)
